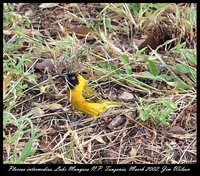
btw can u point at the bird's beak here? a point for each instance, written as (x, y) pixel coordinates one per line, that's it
(63, 75)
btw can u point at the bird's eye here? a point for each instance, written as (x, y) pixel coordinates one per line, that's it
(73, 78)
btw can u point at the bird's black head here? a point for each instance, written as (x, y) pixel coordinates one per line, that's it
(72, 79)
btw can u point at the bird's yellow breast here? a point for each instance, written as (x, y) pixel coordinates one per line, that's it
(79, 102)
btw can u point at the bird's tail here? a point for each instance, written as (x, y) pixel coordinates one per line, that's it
(111, 104)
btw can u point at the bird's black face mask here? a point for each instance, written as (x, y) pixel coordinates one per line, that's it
(72, 79)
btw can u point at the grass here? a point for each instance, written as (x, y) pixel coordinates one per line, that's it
(38, 123)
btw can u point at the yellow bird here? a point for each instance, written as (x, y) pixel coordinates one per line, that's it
(78, 90)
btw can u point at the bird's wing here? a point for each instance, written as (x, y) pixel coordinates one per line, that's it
(91, 95)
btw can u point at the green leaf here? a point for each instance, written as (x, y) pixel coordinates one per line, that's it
(110, 67)
(168, 103)
(167, 111)
(194, 73)
(178, 48)
(183, 85)
(167, 77)
(126, 30)
(182, 68)
(125, 60)
(153, 68)
(143, 115)
(108, 24)
(98, 24)
(32, 79)
(164, 116)
(180, 85)
(191, 58)
(139, 52)
(172, 105)
(28, 147)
